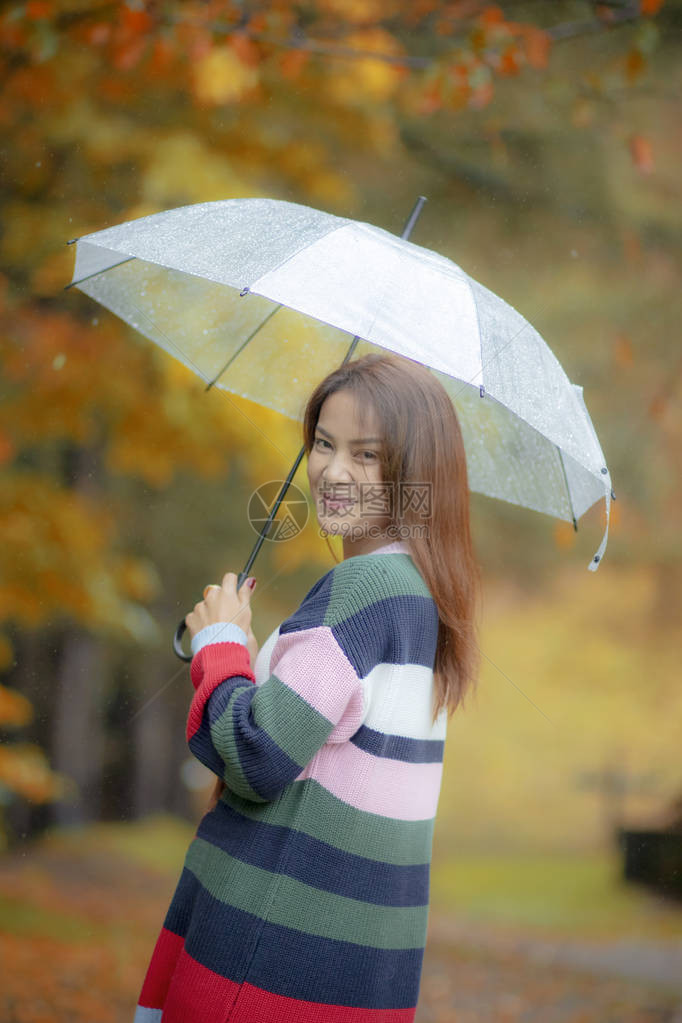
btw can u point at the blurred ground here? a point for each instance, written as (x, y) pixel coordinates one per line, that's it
(80, 911)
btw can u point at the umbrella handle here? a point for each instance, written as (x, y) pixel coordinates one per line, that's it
(180, 631)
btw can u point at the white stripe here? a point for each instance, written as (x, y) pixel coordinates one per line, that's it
(400, 702)
(398, 696)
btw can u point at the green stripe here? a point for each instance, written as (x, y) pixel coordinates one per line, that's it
(290, 721)
(357, 584)
(329, 819)
(222, 736)
(303, 907)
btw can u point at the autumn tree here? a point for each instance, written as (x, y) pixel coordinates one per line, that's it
(115, 110)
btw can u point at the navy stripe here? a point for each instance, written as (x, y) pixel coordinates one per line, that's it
(363, 636)
(265, 765)
(203, 749)
(220, 697)
(399, 747)
(182, 905)
(314, 862)
(413, 634)
(367, 640)
(289, 962)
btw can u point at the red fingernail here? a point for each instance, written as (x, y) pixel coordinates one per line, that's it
(251, 583)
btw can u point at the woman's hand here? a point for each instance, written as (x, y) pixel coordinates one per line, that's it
(223, 604)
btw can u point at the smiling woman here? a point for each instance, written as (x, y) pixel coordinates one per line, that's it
(345, 475)
(304, 895)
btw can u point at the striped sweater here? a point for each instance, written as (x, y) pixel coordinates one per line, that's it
(304, 894)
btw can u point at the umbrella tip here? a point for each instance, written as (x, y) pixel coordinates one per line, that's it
(71, 241)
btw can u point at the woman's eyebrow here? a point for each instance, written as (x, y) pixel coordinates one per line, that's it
(357, 440)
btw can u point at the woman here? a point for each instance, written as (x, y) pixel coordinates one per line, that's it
(304, 894)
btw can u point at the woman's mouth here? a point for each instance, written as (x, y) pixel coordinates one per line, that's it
(337, 504)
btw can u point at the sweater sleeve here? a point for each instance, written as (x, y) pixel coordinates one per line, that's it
(258, 739)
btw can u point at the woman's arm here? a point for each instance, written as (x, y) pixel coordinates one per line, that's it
(258, 739)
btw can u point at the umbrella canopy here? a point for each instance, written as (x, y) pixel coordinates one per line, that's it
(258, 296)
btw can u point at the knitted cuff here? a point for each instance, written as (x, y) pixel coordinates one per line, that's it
(212, 665)
(218, 632)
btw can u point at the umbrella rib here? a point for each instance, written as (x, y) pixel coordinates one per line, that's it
(243, 346)
(568, 489)
(74, 284)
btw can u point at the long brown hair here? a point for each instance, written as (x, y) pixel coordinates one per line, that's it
(422, 443)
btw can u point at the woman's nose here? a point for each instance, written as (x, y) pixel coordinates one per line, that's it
(337, 469)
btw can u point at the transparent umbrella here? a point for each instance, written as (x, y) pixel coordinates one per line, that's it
(258, 297)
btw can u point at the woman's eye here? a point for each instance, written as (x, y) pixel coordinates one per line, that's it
(372, 454)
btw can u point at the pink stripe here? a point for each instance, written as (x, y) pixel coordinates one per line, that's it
(390, 788)
(313, 664)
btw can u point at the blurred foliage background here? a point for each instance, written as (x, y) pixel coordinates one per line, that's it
(546, 138)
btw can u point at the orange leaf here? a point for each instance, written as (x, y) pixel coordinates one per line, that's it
(258, 23)
(431, 99)
(163, 53)
(15, 710)
(538, 44)
(98, 35)
(641, 153)
(492, 16)
(509, 62)
(459, 73)
(12, 35)
(127, 56)
(292, 62)
(136, 21)
(622, 351)
(6, 448)
(650, 6)
(657, 407)
(246, 49)
(634, 64)
(477, 39)
(37, 9)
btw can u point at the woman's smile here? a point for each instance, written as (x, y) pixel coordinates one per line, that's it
(346, 456)
(330, 500)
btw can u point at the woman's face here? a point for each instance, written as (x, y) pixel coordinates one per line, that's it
(345, 463)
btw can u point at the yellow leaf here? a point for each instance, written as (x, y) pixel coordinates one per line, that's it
(15, 710)
(359, 79)
(220, 77)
